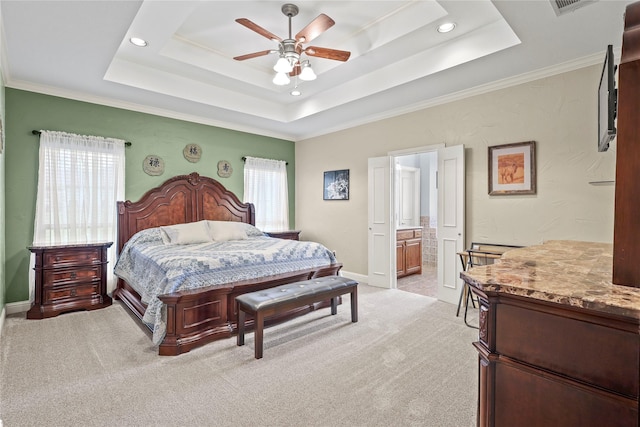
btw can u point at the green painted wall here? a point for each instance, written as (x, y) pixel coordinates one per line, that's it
(149, 134)
(2, 199)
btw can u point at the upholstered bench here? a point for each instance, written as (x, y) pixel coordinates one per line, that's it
(273, 301)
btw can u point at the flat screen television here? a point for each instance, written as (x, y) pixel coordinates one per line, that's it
(607, 102)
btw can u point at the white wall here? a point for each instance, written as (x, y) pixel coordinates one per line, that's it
(559, 113)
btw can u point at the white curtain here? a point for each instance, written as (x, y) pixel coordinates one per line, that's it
(80, 179)
(265, 185)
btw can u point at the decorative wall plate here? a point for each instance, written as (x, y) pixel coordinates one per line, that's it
(153, 165)
(192, 152)
(224, 169)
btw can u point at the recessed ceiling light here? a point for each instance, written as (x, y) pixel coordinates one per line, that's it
(296, 92)
(446, 27)
(138, 42)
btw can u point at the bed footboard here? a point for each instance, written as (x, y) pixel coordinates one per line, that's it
(195, 318)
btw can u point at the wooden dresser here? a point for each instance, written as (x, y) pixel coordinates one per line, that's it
(409, 251)
(69, 277)
(558, 344)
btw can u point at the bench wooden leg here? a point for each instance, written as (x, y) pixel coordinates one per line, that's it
(334, 305)
(354, 305)
(259, 329)
(241, 318)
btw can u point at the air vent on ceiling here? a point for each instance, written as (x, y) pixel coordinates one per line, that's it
(562, 7)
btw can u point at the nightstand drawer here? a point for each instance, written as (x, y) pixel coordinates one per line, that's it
(288, 235)
(61, 277)
(66, 257)
(57, 294)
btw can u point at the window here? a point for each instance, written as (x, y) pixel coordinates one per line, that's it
(265, 185)
(80, 179)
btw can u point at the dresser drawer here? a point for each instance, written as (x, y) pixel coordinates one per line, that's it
(61, 258)
(61, 277)
(52, 295)
(596, 354)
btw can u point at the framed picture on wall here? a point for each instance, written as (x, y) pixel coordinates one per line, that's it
(512, 168)
(336, 185)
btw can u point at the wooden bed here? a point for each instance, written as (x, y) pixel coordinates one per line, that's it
(197, 317)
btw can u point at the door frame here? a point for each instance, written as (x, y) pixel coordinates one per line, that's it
(405, 152)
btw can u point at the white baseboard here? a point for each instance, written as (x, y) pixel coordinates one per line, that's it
(2, 316)
(17, 307)
(361, 278)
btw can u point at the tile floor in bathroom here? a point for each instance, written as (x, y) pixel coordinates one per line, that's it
(423, 284)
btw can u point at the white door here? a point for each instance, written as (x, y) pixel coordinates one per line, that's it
(450, 221)
(382, 253)
(408, 195)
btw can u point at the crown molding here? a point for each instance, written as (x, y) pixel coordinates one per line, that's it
(565, 67)
(478, 90)
(110, 102)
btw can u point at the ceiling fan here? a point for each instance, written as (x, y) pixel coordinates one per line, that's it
(291, 49)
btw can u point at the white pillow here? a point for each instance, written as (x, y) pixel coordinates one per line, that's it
(222, 231)
(184, 234)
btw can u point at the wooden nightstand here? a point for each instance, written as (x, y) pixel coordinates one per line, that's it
(69, 277)
(291, 234)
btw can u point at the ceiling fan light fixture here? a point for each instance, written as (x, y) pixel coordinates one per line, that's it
(307, 74)
(296, 92)
(290, 48)
(283, 65)
(281, 79)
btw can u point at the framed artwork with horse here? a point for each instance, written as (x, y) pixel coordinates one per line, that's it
(512, 168)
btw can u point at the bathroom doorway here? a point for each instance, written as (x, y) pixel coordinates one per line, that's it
(416, 207)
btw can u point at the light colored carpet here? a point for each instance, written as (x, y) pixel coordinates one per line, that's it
(407, 362)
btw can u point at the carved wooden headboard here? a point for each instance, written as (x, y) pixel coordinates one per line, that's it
(181, 199)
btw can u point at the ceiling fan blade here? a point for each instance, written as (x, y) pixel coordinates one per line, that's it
(252, 55)
(323, 52)
(258, 29)
(316, 27)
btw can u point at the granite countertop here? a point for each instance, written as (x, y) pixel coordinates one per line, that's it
(560, 271)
